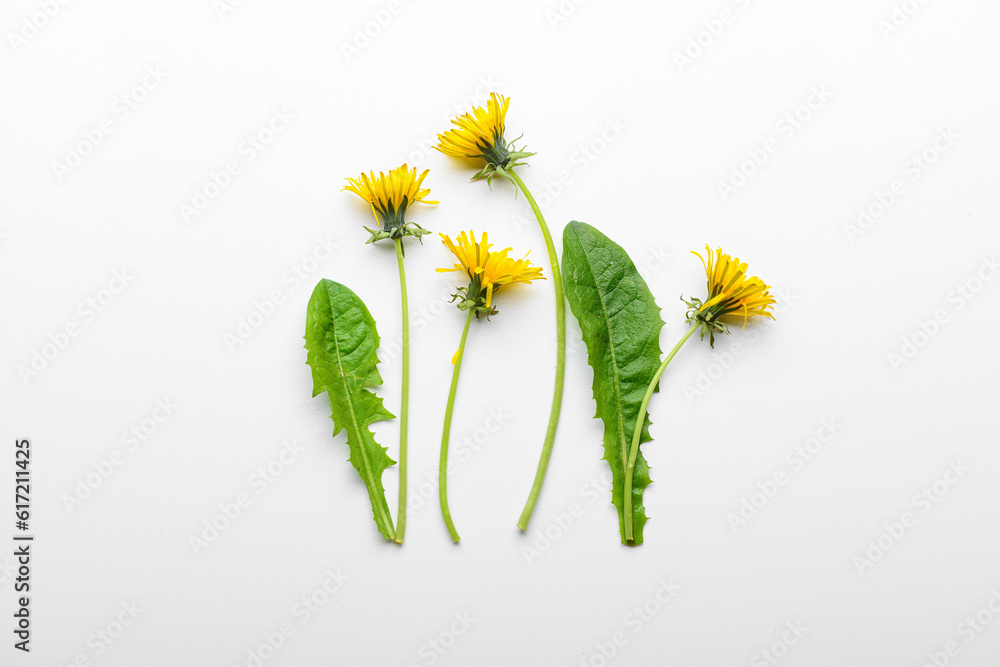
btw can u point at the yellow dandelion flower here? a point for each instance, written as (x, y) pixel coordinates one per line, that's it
(487, 270)
(389, 195)
(730, 291)
(731, 294)
(480, 134)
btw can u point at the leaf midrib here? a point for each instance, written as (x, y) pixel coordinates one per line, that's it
(354, 417)
(623, 446)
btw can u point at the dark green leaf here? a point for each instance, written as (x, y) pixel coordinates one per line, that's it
(342, 342)
(621, 326)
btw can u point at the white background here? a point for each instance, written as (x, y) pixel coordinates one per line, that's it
(661, 135)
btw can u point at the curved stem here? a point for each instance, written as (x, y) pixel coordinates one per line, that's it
(557, 394)
(637, 433)
(404, 407)
(446, 434)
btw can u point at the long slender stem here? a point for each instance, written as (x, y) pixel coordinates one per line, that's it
(446, 434)
(557, 394)
(405, 404)
(637, 433)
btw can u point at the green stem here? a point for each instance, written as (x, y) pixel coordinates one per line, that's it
(446, 434)
(404, 407)
(637, 433)
(557, 394)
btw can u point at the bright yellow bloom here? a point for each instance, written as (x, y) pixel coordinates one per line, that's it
(480, 133)
(390, 194)
(488, 270)
(730, 292)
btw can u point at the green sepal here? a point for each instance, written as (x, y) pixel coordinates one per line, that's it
(706, 320)
(405, 229)
(513, 159)
(478, 303)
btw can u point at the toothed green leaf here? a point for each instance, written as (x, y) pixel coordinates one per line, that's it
(621, 326)
(342, 342)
